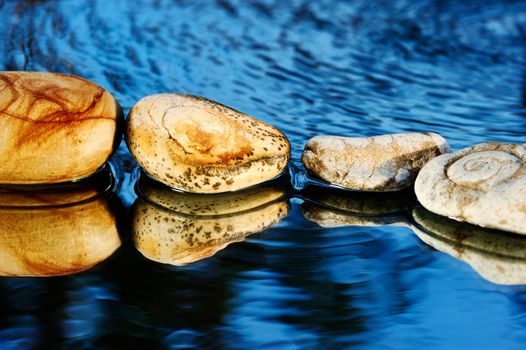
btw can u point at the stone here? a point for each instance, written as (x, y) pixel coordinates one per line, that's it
(54, 127)
(337, 208)
(495, 255)
(176, 238)
(484, 185)
(210, 204)
(328, 217)
(374, 164)
(55, 232)
(200, 146)
(360, 203)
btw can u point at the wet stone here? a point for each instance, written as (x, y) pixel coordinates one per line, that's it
(200, 146)
(484, 185)
(54, 127)
(375, 164)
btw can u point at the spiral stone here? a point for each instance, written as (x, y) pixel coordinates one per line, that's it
(376, 164)
(501, 259)
(484, 185)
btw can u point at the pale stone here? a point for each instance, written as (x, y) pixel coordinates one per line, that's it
(174, 238)
(336, 208)
(484, 185)
(200, 146)
(55, 232)
(327, 217)
(54, 127)
(375, 164)
(496, 256)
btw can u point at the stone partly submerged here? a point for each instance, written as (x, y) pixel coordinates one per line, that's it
(54, 127)
(200, 146)
(338, 208)
(484, 185)
(374, 164)
(497, 256)
(179, 238)
(54, 231)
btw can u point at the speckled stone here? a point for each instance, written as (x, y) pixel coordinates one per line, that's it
(174, 238)
(210, 204)
(54, 127)
(498, 257)
(484, 185)
(200, 146)
(375, 164)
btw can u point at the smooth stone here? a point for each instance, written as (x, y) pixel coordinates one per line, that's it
(54, 127)
(374, 164)
(495, 255)
(56, 232)
(174, 238)
(484, 185)
(200, 146)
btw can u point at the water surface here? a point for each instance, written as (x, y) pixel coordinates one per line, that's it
(354, 68)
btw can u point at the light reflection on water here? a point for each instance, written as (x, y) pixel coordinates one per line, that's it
(327, 67)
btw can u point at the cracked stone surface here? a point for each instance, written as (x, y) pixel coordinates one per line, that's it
(374, 164)
(484, 185)
(200, 146)
(54, 127)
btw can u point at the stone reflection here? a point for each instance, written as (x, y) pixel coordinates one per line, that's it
(498, 256)
(178, 228)
(334, 207)
(57, 230)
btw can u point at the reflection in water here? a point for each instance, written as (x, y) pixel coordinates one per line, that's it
(497, 256)
(178, 236)
(353, 68)
(334, 207)
(59, 230)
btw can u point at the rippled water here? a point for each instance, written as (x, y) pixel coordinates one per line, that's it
(326, 276)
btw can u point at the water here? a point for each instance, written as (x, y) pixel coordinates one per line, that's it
(356, 68)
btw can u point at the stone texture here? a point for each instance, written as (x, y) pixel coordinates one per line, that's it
(200, 146)
(498, 257)
(375, 164)
(327, 217)
(484, 185)
(54, 127)
(210, 204)
(361, 203)
(59, 239)
(174, 238)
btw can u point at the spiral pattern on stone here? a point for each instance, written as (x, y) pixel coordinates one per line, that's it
(484, 170)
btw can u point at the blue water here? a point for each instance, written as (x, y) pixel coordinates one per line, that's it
(354, 68)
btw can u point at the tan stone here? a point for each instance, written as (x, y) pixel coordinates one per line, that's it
(484, 185)
(52, 235)
(176, 238)
(496, 256)
(54, 127)
(197, 145)
(210, 204)
(375, 164)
